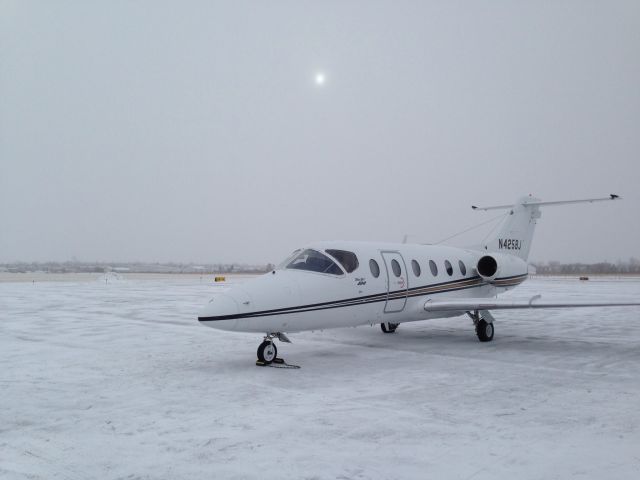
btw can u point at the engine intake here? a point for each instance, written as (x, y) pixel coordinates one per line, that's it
(487, 268)
(490, 267)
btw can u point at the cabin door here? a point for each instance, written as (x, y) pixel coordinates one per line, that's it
(397, 282)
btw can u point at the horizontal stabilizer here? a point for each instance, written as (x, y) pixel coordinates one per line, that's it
(471, 304)
(540, 204)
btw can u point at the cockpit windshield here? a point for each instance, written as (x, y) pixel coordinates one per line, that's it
(286, 261)
(314, 261)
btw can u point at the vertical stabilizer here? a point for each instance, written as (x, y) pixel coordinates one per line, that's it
(515, 233)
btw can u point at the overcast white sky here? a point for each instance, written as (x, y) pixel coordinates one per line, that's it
(194, 131)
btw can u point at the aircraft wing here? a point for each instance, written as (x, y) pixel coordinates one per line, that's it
(471, 304)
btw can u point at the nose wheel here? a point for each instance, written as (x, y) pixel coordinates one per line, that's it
(267, 352)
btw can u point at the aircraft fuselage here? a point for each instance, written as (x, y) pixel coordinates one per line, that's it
(293, 300)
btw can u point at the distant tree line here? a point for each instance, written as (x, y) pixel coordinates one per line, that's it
(133, 267)
(632, 266)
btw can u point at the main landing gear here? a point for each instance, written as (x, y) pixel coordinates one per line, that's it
(388, 327)
(268, 352)
(484, 328)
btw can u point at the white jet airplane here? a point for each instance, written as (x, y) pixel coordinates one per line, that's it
(346, 284)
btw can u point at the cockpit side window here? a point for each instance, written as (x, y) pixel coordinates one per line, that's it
(314, 261)
(347, 259)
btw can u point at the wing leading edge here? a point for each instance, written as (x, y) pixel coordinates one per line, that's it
(471, 304)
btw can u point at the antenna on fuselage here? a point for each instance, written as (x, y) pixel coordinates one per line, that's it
(472, 228)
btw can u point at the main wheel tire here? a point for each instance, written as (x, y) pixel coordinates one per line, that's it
(267, 352)
(484, 330)
(387, 327)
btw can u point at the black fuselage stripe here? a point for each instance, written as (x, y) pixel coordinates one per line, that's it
(380, 297)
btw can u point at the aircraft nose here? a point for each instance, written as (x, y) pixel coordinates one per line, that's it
(220, 312)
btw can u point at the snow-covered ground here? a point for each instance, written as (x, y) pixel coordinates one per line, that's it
(118, 380)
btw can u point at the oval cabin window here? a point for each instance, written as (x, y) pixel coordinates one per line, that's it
(395, 266)
(448, 267)
(463, 267)
(433, 267)
(375, 268)
(416, 268)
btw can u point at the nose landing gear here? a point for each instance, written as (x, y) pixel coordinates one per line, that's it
(268, 352)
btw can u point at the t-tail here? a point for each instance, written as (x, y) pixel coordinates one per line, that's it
(515, 233)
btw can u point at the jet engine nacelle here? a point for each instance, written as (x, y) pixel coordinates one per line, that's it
(496, 265)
